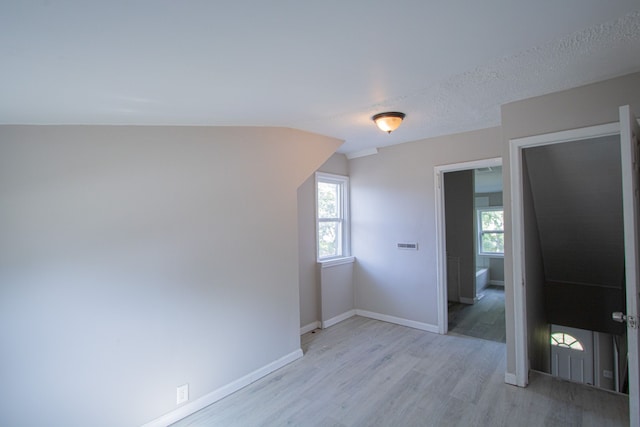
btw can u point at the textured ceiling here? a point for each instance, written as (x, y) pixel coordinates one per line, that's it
(324, 67)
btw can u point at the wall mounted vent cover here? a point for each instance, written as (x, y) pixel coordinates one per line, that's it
(408, 246)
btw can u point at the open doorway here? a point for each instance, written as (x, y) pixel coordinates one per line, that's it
(474, 239)
(459, 265)
(574, 235)
(527, 258)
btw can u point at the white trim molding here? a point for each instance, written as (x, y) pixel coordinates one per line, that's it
(516, 146)
(310, 327)
(337, 261)
(398, 321)
(222, 392)
(441, 250)
(362, 153)
(510, 379)
(337, 319)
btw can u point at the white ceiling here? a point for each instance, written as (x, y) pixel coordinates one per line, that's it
(323, 66)
(488, 180)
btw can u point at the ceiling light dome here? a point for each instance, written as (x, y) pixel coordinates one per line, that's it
(388, 122)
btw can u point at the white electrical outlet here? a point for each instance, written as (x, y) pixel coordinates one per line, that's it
(607, 374)
(183, 394)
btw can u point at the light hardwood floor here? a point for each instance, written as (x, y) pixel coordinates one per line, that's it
(484, 319)
(364, 372)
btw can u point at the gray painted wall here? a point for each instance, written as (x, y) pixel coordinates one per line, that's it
(336, 291)
(137, 259)
(577, 194)
(393, 200)
(573, 226)
(538, 329)
(571, 109)
(496, 269)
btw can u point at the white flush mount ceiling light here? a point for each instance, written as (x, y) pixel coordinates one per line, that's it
(388, 122)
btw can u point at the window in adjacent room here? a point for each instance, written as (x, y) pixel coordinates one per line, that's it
(491, 231)
(332, 216)
(565, 340)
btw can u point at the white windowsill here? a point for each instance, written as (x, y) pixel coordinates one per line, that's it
(336, 261)
(485, 255)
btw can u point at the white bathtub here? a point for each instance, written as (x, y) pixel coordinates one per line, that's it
(482, 279)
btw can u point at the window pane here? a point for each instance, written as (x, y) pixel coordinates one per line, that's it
(493, 243)
(332, 217)
(492, 221)
(328, 200)
(329, 242)
(565, 340)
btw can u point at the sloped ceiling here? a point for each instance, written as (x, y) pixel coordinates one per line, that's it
(577, 197)
(324, 67)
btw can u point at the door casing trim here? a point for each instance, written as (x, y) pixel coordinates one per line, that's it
(441, 249)
(516, 146)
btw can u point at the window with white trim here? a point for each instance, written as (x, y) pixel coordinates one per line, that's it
(562, 339)
(332, 216)
(491, 231)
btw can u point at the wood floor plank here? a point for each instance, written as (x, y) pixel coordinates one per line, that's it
(484, 319)
(363, 372)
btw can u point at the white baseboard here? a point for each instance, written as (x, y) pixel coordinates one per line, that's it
(466, 300)
(497, 282)
(223, 391)
(337, 319)
(310, 327)
(510, 379)
(398, 321)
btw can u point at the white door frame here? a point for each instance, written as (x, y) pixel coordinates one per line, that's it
(441, 251)
(517, 230)
(629, 132)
